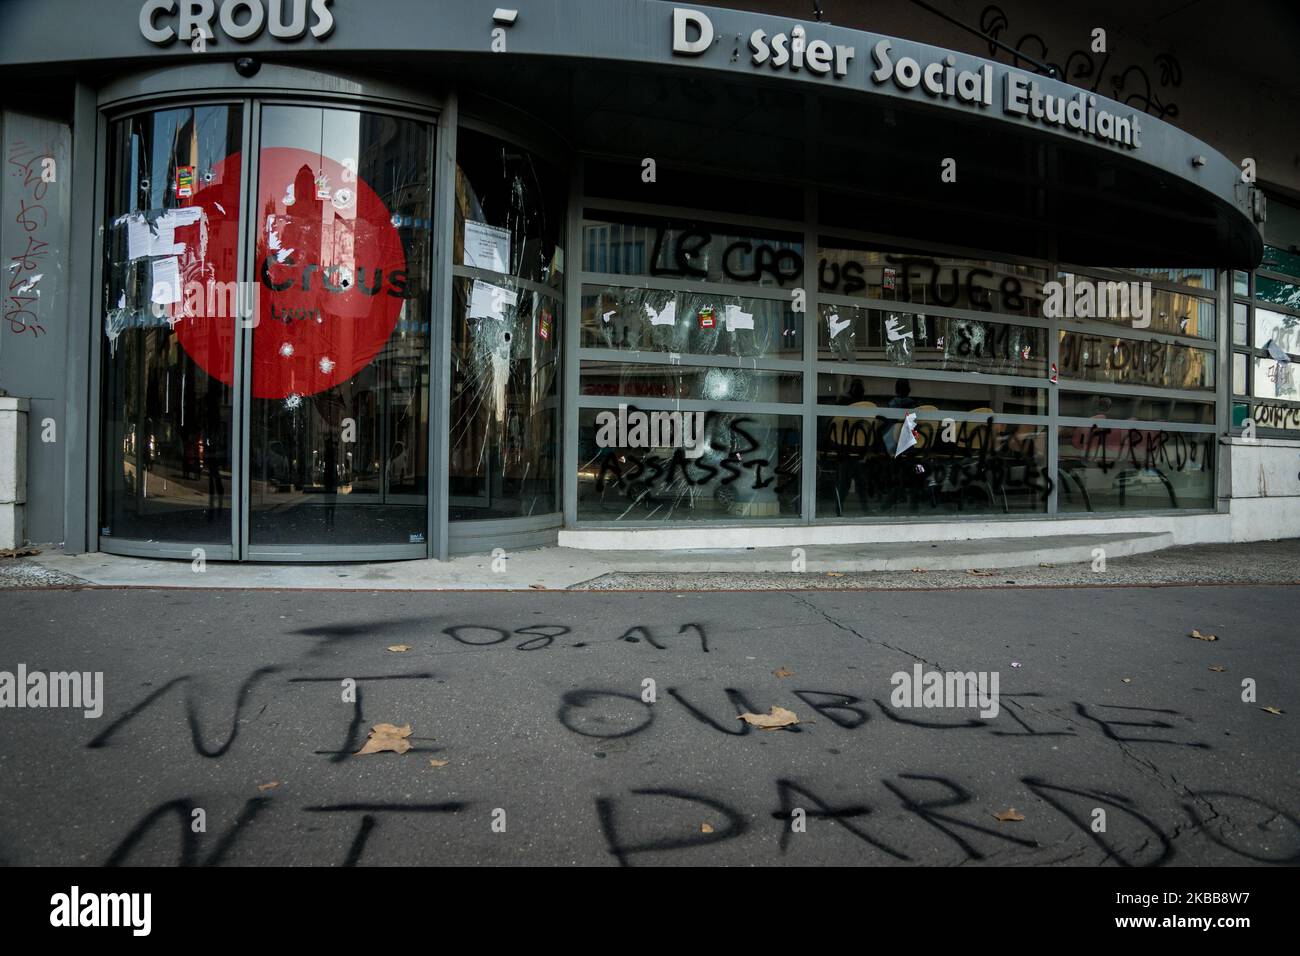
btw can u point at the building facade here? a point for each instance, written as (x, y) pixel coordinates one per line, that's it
(332, 280)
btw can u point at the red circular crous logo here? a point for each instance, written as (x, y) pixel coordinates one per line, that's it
(330, 275)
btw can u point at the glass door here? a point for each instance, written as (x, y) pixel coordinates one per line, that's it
(267, 294)
(171, 257)
(339, 378)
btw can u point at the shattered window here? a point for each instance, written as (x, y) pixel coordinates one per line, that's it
(653, 464)
(338, 442)
(913, 340)
(699, 323)
(507, 310)
(706, 324)
(694, 382)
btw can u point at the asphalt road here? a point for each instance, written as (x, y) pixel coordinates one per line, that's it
(232, 704)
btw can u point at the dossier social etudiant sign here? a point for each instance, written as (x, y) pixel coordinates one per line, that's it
(979, 86)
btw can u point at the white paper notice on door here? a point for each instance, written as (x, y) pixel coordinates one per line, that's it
(486, 247)
(736, 319)
(166, 281)
(488, 301)
(137, 238)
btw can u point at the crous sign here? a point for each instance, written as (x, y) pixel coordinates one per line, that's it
(332, 275)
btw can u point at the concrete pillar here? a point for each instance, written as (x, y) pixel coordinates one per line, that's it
(13, 471)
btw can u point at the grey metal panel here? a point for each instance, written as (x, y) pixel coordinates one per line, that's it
(473, 272)
(1147, 391)
(1053, 410)
(159, 549)
(241, 490)
(1127, 424)
(490, 527)
(1046, 519)
(335, 554)
(689, 405)
(83, 255)
(34, 283)
(464, 542)
(927, 374)
(608, 31)
(94, 335)
(685, 285)
(1223, 403)
(690, 359)
(808, 361)
(185, 77)
(440, 327)
(570, 383)
(900, 414)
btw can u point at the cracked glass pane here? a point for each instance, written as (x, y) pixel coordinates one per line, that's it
(695, 382)
(907, 340)
(507, 309)
(660, 320)
(338, 446)
(659, 465)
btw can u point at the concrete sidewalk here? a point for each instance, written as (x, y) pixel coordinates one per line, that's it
(1047, 560)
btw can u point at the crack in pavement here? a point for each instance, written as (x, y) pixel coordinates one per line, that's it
(844, 627)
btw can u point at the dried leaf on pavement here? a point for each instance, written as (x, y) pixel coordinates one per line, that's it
(438, 763)
(387, 737)
(1218, 669)
(985, 574)
(1203, 637)
(1009, 816)
(775, 719)
(399, 648)
(706, 827)
(268, 786)
(783, 671)
(1272, 710)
